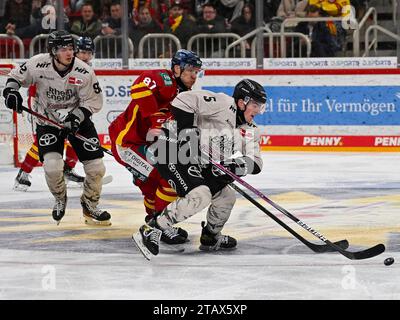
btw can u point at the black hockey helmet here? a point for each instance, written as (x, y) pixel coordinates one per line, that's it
(185, 57)
(249, 89)
(59, 39)
(85, 44)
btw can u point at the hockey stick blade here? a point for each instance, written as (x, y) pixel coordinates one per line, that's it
(363, 254)
(318, 248)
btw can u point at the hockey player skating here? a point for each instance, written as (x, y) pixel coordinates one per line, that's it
(134, 129)
(85, 51)
(68, 93)
(226, 125)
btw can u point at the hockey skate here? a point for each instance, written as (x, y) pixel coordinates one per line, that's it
(173, 235)
(147, 240)
(71, 175)
(213, 242)
(22, 182)
(94, 215)
(59, 209)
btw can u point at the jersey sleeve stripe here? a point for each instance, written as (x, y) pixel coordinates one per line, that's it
(139, 85)
(148, 205)
(142, 94)
(128, 126)
(164, 196)
(168, 189)
(34, 155)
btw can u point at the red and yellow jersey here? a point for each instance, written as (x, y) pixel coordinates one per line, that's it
(149, 108)
(334, 8)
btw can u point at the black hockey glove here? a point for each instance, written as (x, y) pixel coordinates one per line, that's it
(73, 121)
(13, 99)
(237, 166)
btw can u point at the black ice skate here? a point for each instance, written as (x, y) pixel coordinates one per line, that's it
(22, 182)
(210, 241)
(147, 239)
(173, 235)
(71, 175)
(59, 209)
(94, 215)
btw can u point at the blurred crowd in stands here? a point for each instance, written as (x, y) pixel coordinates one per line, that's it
(182, 18)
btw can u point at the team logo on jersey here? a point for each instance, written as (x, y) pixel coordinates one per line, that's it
(194, 172)
(75, 81)
(167, 79)
(81, 70)
(58, 95)
(90, 147)
(217, 172)
(172, 184)
(42, 65)
(47, 140)
(246, 134)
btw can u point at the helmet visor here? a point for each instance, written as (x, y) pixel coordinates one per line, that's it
(256, 105)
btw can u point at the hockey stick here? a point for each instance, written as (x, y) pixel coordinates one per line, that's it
(318, 248)
(136, 173)
(358, 255)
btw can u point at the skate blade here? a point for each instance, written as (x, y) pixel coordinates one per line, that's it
(93, 222)
(171, 248)
(138, 241)
(212, 248)
(107, 180)
(73, 184)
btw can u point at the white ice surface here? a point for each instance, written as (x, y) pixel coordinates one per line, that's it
(342, 195)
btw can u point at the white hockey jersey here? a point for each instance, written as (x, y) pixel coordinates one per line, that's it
(215, 116)
(56, 95)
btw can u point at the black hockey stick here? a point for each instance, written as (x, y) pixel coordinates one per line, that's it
(358, 255)
(136, 173)
(318, 248)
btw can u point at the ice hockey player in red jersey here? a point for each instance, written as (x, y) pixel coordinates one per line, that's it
(134, 129)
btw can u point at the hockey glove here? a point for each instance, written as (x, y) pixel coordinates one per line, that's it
(13, 99)
(237, 166)
(73, 121)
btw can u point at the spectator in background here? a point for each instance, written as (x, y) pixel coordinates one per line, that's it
(112, 24)
(229, 9)
(270, 9)
(286, 9)
(334, 8)
(87, 25)
(323, 43)
(244, 24)
(154, 7)
(144, 24)
(17, 13)
(179, 24)
(301, 7)
(210, 21)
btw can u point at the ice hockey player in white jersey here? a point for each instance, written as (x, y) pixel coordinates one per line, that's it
(225, 123)
(67, 91)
